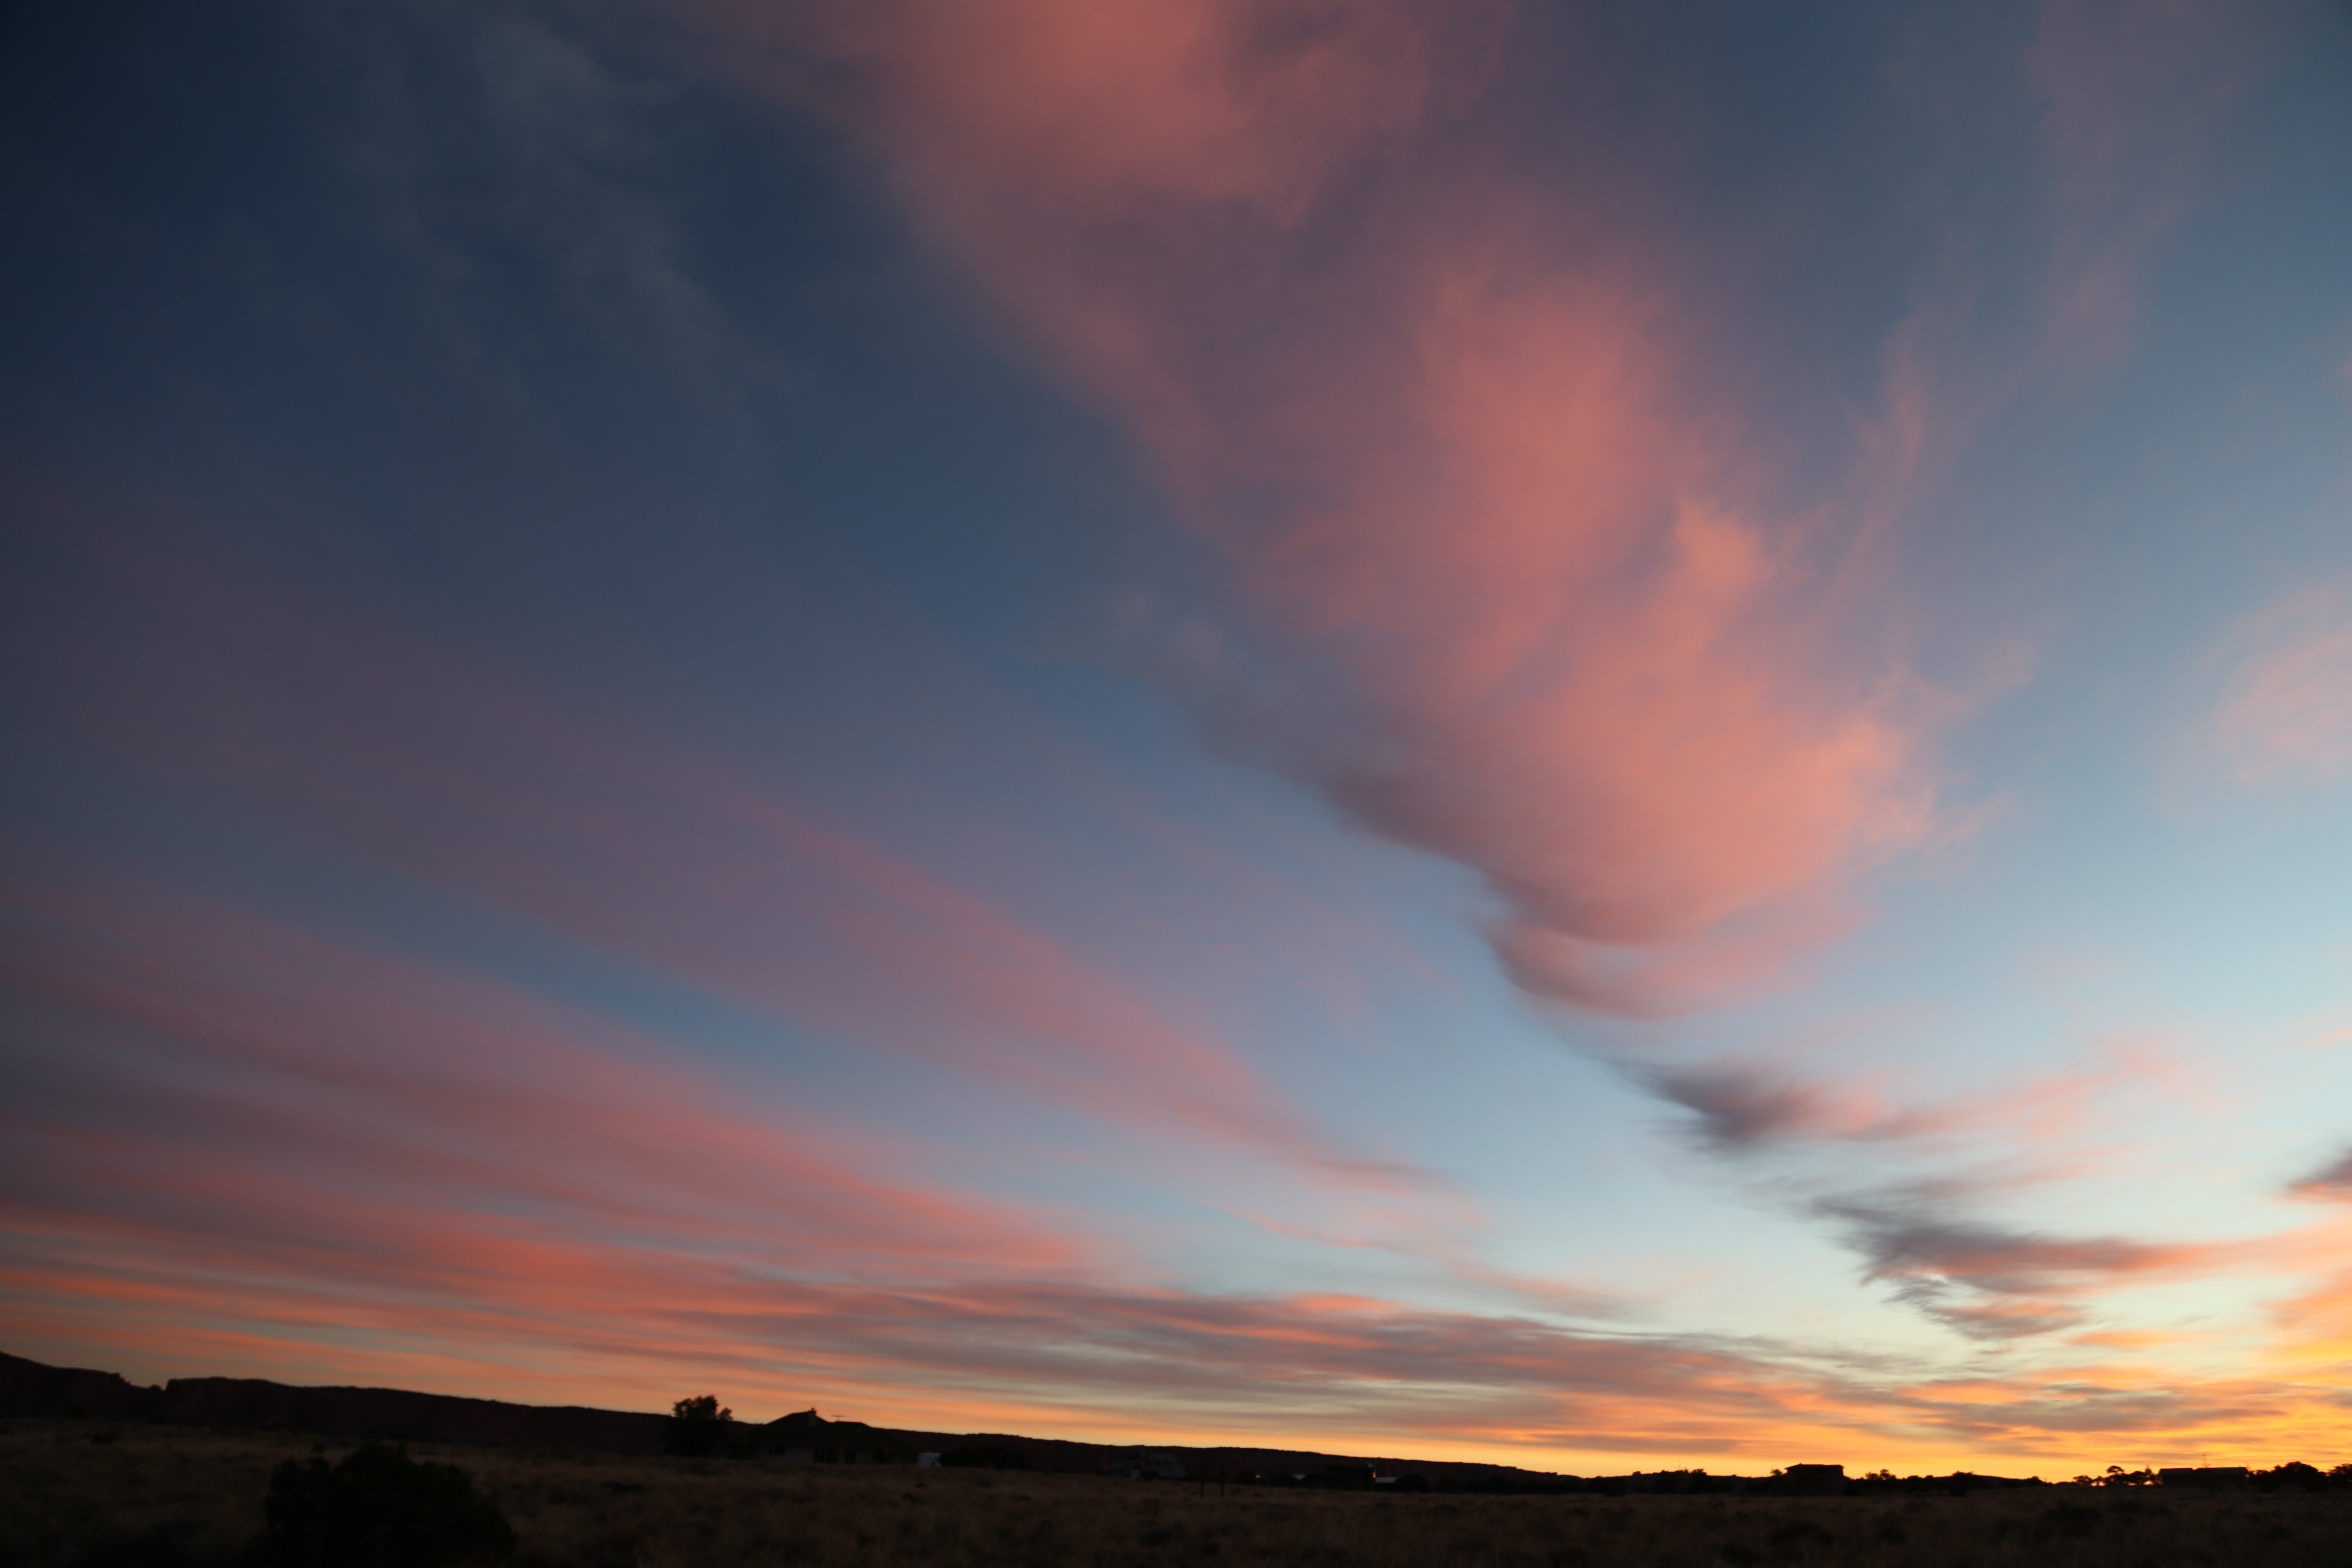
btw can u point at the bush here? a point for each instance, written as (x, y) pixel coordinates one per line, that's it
(379, 1509)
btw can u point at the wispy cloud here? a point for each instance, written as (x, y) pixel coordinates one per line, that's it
(198, 1056)
(253, 1147)
(465, 771)
(2285, 715)
(1743, 1105)
(2130, 93)
(1985, 1281)
(2333, 1180)
(1456, 459)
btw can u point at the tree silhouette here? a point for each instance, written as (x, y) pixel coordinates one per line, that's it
(699, 1428)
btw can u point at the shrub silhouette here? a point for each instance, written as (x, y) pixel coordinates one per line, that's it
(699, 1428)
(378, 1508)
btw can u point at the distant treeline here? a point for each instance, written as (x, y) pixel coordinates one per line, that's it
(2295, 1476)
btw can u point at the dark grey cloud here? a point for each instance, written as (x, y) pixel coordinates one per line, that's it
(2330, 1181)
(1738, 1107)
(1981, 1279)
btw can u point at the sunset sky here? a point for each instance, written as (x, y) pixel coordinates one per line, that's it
(1609, 736)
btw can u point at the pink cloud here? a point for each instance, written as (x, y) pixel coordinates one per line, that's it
(247, 1147)
(1199, 100)
(456, 768)
(2285, 715)
(262, 1149)
(1461, 465)
(197, 1056)
(1091, 1358)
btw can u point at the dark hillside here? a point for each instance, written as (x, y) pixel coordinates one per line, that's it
(28, 1388)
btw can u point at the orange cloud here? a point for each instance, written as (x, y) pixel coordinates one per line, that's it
(2332, 1180)
(464, 1298)
(259, 1149)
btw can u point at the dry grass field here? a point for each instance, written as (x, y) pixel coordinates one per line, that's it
(77, 1495)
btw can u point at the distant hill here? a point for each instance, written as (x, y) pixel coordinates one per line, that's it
(30, 1388)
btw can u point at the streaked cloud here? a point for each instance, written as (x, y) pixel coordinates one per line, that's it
(1741, 1106)
(2333, 1180)
(2285, 716)
(1984, 1280)
(471, 773)
(2130, 91)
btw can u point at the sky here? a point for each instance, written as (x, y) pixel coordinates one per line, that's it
(1610, 737)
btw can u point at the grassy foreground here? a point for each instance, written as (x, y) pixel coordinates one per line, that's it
(78, 1495)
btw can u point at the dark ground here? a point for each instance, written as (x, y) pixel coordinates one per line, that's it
(93, 1495)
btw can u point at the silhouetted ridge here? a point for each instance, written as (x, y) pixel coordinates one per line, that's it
(30, 1388)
